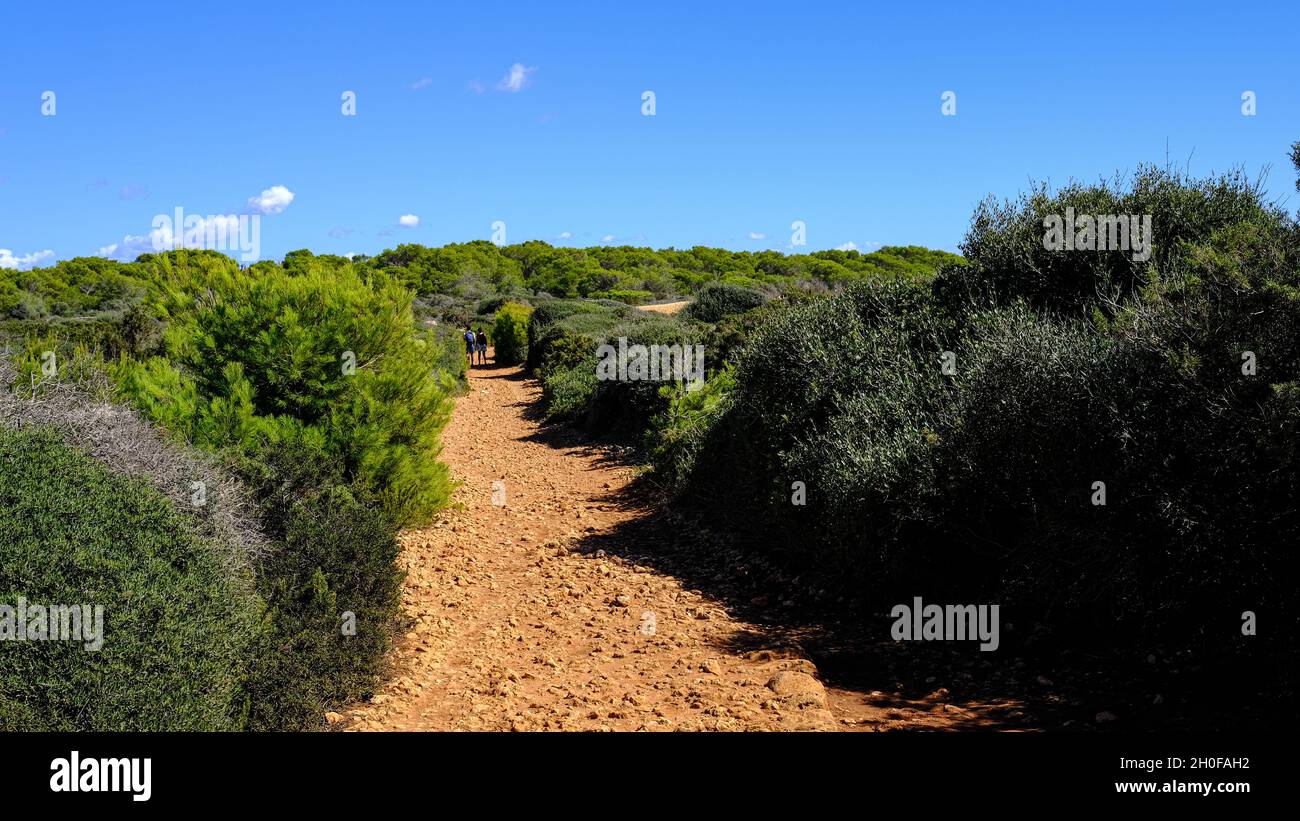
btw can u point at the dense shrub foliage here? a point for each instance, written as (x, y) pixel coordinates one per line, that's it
(81, 287)
(178, 623)
(952, 421)
(677, 433)
(568, 391)
(1007, 260)
(564, 339)
(510, 334)
(327, 358)
(564, 335)
(1174, 383)
(714, 302)
(337, 559)
(317, 385)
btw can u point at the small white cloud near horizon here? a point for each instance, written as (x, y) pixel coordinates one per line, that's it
(408, 221)
(848, 246)
(757, 235)
(517, 78)
(164, 237)
(133, 246)
(26, 262)
(565, 235)
(607, 238)
(423, 82)
(271, 201)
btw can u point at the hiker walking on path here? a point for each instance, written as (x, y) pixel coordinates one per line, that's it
(470, 342)
(480, 342)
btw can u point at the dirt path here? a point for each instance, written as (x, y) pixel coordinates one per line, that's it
(519, 624)
(666, 307)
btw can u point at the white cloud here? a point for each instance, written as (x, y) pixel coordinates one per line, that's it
(408, 221)
(848, 246)
(8, 260)
(423, 82)
(133, 245)
(271, 201)
(565, 234)
(757, 235)
(117, 251)
(163, 238)
(607, 238)
(517, 79)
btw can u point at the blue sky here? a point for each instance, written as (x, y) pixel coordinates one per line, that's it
(766, 113)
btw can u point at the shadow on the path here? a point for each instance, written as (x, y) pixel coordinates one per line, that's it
(792, 616)
(797, 612)
(795, 615)
(494, 371)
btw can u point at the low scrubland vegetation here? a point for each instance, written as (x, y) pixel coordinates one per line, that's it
(1103, 442)
(293, 407)
(949, 423)
(1169, 386)
(222, 457)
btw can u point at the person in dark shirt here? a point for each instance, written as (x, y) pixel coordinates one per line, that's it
(469, 345)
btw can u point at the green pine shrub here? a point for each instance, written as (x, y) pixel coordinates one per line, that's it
(268, 351)
(510, 334)
(677, 433)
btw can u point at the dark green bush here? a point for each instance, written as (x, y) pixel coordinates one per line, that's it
(625, 407)
(178, 627)
(589, 317)
(564, 349)
(713, 302)
(1069, 370)
(489, 307)
(335, 570)
(568, 390)
(1006, 260)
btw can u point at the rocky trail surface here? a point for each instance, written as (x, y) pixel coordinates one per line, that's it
(520, 620)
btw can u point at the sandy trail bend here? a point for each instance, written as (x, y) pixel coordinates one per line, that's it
(518, 626)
